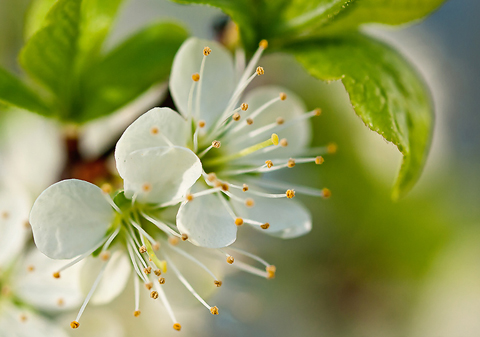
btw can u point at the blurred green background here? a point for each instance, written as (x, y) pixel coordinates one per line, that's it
(370, 267)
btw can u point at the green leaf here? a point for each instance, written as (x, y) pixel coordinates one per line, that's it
(14, 92)
(35, 17)
(49, 55)
(127, 71)
(383, 11)
(385, 91)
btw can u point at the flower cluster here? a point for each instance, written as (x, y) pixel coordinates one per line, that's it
(211, 158)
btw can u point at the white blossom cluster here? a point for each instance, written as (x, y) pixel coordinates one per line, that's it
(214, 164)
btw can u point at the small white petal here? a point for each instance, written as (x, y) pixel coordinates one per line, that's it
(217, 82)
(69, 218)
(160, 174)
(287, 218)
(38, 288)
(207, 222)
(150, 130)
(114, 279)
(298, 135)
(100, 134)
(25, 323)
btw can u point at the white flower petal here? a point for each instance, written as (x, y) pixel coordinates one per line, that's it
(217, 82)
(100, 134)
(287, 218)
(160, 174)
(151, 130)
(113, 281)
(36, 286)
(14, 208)
(69, 218)
(18, 322)
(207, 222)
(298, 135)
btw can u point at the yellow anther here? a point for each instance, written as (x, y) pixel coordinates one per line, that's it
(249, 202)
(249, 121)
(149, 285)
(189, 197)
(280, 120)
(158, 272)
(184, 237)
(211, 177)
(136, 313)
(154, 295)
(326, 193)
(23, 318)
(238, 221)
(236, 116)
(319, 160)
(283, 96)
(266, 225)
(207, 51)
(147, 270)
(5, 215)
(269, 163)
(173, 240)
(271, 270)
(60, 302)
(217, 283)
(284, 142)
(291, 163)
(218, 184)
(56, 274)
(263, 44)
(214, 310)
(225, 187)
(201, 124)
(245, 188)
(30, 268)
(317, 112)
(290, 194)
(275, 139)
(156, 246)
(146, 187)
(332, 148)
(154, 130)
(74, 324)
(177, 326)
(195, 77)
(216, 144)
(230, 259)
(244, 106)
(260, 71)
(105, 255)
(161, 280)
(142, 249)
(27, 225)
(107, 188)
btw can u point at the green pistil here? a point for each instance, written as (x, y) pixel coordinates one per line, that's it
(273, 140)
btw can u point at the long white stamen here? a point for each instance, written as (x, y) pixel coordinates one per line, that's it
(234, 197)
(190, 102)
(111, 238)
(135, 263)
(137, 292)
(247, 170)
(190, 257)
(165, 301)
(283, 186)
(250, 255)
(143, 232)
(160, 225)
(185, 283)
(253, 222)
(90, 293)
(227, 207)
(81, 257)
(253, 62)
(134, 236)
(199, 88)
(140, 257)
(204, 152)
(250, 269)
(112, 203)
